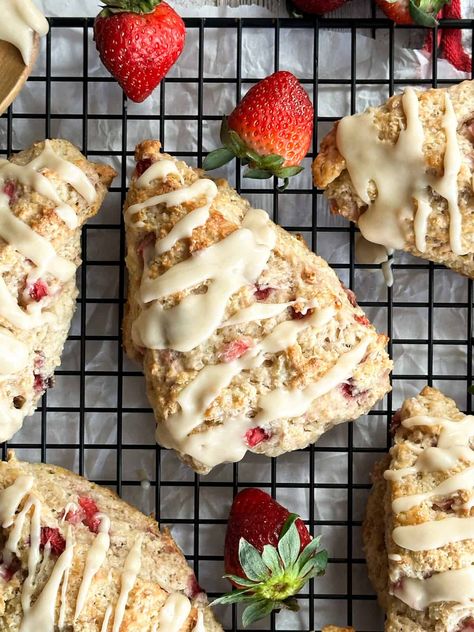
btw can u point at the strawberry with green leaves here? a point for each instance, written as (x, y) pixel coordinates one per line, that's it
(269, 555)
(422, 12)
(138, 42)
(270, 130)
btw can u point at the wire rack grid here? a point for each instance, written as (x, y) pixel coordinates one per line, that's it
(108, 436)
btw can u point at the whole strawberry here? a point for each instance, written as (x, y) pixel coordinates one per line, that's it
(138, 42)
(269, 555)
(270, 130)
(422, 12)
(315, 7)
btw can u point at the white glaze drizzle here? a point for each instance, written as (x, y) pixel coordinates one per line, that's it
(41, 615)
(226, 266)
(159, 170)
(32, 245)
(13, 353)
(400, 175)
(174, 613)
(434, 534)
(34, 555)
(127, 579)
(263, 311)
(20, 20)
(199, 627)
(196, 397)
(456, 586)
(107, 615)
(374, 254)
(95, 558)
(11, 497)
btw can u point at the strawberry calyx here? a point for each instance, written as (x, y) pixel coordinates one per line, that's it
(424, 12)
(142, 7)
(259, 167)
(275, 576)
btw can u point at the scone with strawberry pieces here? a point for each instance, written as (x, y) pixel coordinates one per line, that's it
(419, 526)
(403, 172)
(76, 557)
(47, 193)
(247, 339)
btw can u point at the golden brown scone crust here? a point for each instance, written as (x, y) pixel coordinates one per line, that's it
(292, 271)
(335, 628)
(385, 571)
(45, 343)
(329, 171)
(163, 570)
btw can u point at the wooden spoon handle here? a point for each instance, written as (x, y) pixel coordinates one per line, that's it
(14, 72)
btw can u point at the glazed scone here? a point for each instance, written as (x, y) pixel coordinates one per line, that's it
(335, 628)
(76, 557)
(247, 339)
(404, 173)
(419, 527)
(46, 194)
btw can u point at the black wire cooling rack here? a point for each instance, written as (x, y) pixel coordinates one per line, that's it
(179, 497)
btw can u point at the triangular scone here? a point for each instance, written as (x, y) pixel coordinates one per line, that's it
(46, 194)
(248, 340)
(419, 526)
(404, 173)
(77, 557)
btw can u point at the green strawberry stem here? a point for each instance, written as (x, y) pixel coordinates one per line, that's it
(111, 7)
(273, 577)
(259, 167)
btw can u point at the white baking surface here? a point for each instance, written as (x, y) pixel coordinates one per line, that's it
(331, 467)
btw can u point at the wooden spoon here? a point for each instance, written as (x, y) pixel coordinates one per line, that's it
(14, 72)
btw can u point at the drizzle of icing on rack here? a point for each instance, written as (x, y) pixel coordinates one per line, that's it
(20, 21)
(224, 267)
(451, 452)
(14, 354)
(43, 613)
(401, 178)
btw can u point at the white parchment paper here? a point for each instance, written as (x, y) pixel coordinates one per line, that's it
(333, 503)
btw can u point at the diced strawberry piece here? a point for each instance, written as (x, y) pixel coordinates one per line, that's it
(363, 320)
(10, 190)
(193, 589)
(444, 504)
(42, 383)
(254, 436)
(38, 290)
(298, 315)
(396, 421)
(142, 166)
(39, 359)
(7, 571)
(54, 538)
(348, 389)
(262, 293)
(467, 625)
(75, 517)
(90, 510)
(148, 240)
(350, 294)
(235, 349)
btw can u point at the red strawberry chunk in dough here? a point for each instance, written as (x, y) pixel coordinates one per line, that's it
(41, 383)
(54, 538)
(38, 290)
(262, 293)
(75, 517)
(10, 190)
(363, 320)
(467, 625)
(234, 349)
(142, 166)
(8, 570)
(254, 436)
(90, 510)
(193, 589)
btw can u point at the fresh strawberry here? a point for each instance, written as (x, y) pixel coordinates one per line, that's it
(138, 42)
(422, 12)
(270, 130)
(269, 555)
(317, 7)
(54, 538)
